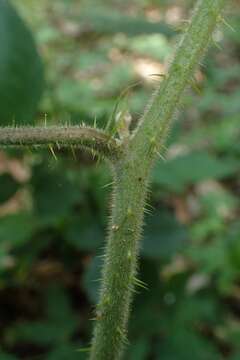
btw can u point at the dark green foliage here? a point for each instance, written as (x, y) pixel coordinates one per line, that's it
(8, 187)
(16, 229)
(164, 236)
(103, 20)
(51, 245)
(181, 172)
(21, 70)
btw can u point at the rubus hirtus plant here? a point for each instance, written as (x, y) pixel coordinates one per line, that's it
(131, 155)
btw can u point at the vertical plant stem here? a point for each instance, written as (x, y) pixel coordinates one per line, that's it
(131, 176)
(120, 263)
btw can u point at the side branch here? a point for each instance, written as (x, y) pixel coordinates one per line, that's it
(90, 138)
(153, 127)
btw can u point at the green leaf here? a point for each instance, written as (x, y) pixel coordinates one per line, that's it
(38, 333)
(155, 45)
(69, 352)
(60, 312)
(5, 356)
(17, 229)
(186, 346)
(139, 350)
(21, 70)
(189, 169)
(83, 233)
(236, 356)
(57, 328)
(8, 187)
(164, 236)
(110, 21)
(54, 193)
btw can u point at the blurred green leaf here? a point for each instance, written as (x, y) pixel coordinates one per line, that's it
(59, 325)
(156, 46)
(236, 356)
(221, 135)
(38, 333)
(8, 187)
(16, 230)
(66, 352)
(83, 233)
(185, 170)
(186, 346)
(163, 235)
(4, 356)
(61, 311)
(54, 193)
(110, 21)
(139, 350)
(21, 69)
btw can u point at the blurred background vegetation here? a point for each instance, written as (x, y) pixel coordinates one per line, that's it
(53, 214)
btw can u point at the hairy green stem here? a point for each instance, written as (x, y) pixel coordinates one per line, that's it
(86, 137)
(154, 125)
(131, 176)
(119, 272)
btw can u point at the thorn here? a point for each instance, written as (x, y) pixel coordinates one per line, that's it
(150, 206)
(45, 120)
(147, 211)
(135, 291)
(95, 122)
(158, 75)
(109, 184)
(202, 64)
(195, 86)
(52, 151)
(73, 152)
(103, 256)
(98, 158)
(226, 23)
(218, 46)
(84, 349)
(58, 146)
(140, 283)
(164, 147)
(160, 155)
